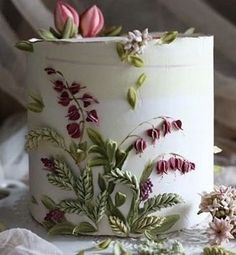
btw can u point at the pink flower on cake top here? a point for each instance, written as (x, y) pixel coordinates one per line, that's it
(68, 22)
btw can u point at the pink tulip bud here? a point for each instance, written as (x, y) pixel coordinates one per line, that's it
(92, 22)
(162, 167)
(62, 12)
(140, 145)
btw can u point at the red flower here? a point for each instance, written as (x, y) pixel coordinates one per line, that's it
(166, 127)
(186, 166)
(162, 166)
(73, 130)
(50, 70)
(64, 99)
(75, 88)
(177, 124)
(73, 113)
(92, 116)
(88, 99)
(192, 166)
(172, 163)
(140, 145)
(154, 133)
(179, 163)
(55, 215)
(59, 85)
(48, 164)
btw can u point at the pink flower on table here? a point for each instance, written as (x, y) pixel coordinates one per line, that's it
(140, 145)
(88, 99)
(73, 113)
(154, 133)
(64, 99)
(162, 166)
(92, 22)
(55, 215)
(62, 12)
(58, 85)
(220, 231)
(74, 130)
(92, 116)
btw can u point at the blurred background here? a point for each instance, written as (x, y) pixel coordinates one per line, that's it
(20, 19)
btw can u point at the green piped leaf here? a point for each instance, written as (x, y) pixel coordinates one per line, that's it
(46, 35)
(168, 37)
(121, 51)
(216, 250)
(70, 206)
(189, 31)
(85, 185)
(114, 211)
(103, 245)
(132, 97)
(120, 199)
(112, 31)
(64, 228)
(82, 252)
(55, 33)
(135, 60)
(97, 161)
(68, 29)
(147, 171)
(101, 182)
(36, 105)
(48, 202)
(84, 228)
(111, 147)
(141, 79)
(25, 46)
(119, 249)
(78, 152)
(95, 137)
(118, 226)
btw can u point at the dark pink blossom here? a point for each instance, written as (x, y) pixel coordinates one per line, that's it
(172, 163)
(162, 166)
(140, 145)
(74, 130)
(64, 99)
(50, 70)
(73, 113)
(186, 167)
(88, 99)
(179, 163)
(75, 88)
(154, 133)
(55, 215)
(192, 166)
(49, 164)
(145, 189)
(166, 127)
(177, 124)
(58, 85)
(92, 116)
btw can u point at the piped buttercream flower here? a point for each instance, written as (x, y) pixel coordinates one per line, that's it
(140, 145)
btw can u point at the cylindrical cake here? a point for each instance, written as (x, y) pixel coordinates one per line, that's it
(110, 134)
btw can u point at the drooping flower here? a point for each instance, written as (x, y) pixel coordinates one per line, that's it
(179, 163)
(220, 231)
(55, 215)
(64, 99)
(92, 116)
(58, 85)
(92, 22)
(88, 99)
(140, 145)
(166, 127)
(177, 124)
(186, 166)
(154, 133)
(73, 113)
(50, 70)
(172, 163)
(162, 166)
(145, 189)
(75, 88)
(49, 164)
(62, 12)
(136, 41)
(74, 130)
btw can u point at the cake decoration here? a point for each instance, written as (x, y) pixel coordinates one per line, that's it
(36, 103)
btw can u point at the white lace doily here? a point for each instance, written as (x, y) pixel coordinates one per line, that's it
(14, 213)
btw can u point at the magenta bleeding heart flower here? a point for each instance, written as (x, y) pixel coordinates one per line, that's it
(140, 145)
(92, 116)
(75, 88)
(62, 12)
(87, 100)
(166, 127)
(73, 113)
(92, 22)
(48, 164)
(55, 215)
(64, 99)
(59, 85)
(74, 130)
(172, 163)
(177, 124)
(154, 133)
(162, 166)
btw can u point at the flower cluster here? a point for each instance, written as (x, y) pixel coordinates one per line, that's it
(48, 164)
(174, 163)
(76, 101)
(137, 41)
(89, 23)
(145, 189)
(221, 204)
(55, 216)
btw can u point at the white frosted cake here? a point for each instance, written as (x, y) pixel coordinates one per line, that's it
(114, 138)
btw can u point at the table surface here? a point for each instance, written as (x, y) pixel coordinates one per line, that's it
(14, 213)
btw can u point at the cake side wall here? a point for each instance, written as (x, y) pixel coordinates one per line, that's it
(179, 84)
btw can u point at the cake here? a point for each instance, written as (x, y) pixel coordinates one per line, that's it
(119, 128)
